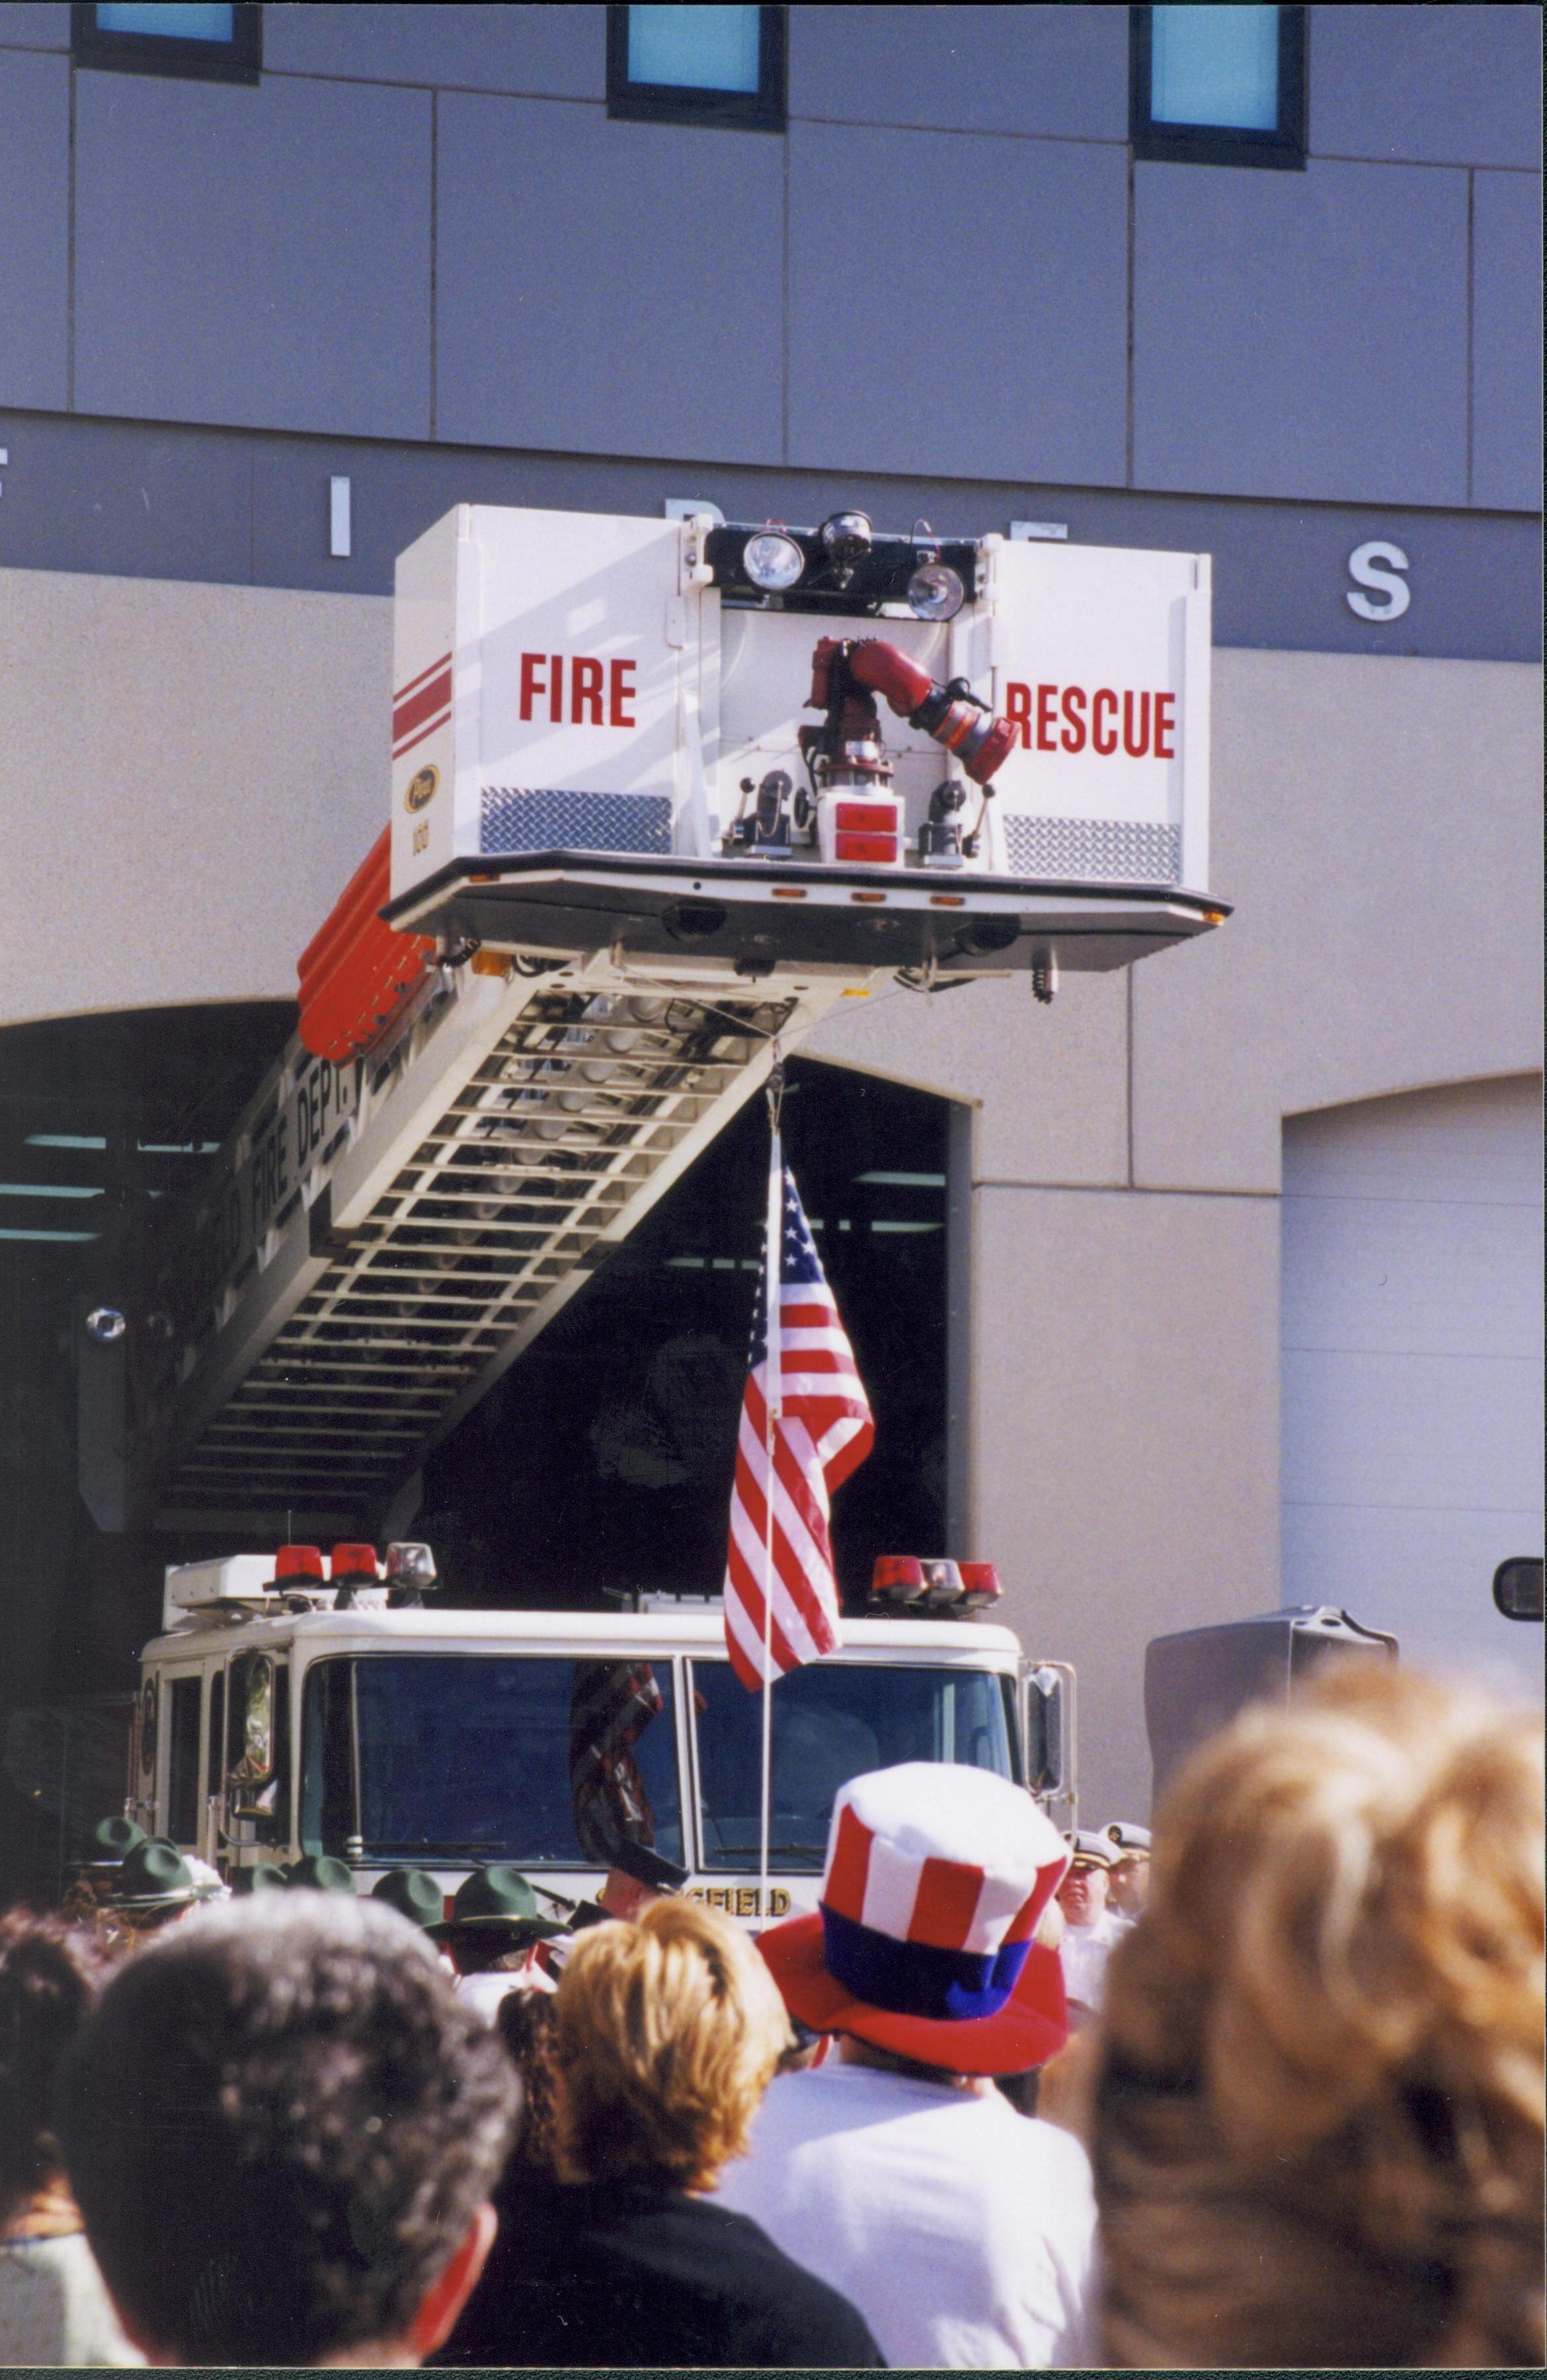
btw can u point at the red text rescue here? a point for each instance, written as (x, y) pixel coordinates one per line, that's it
(544, 676)
(1063, 719)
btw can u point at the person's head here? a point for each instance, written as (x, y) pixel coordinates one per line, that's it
(1082, 1894)
(282, 2131)
(50, 1974)
(929, 1951)
(668, 2031)
(1129, 1883)
(1317, 2125)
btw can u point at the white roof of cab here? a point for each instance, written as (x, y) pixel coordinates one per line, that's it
(623, 1635)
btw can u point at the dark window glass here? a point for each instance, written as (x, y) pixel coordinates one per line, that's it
(1218, 86)
(507, 1757)
(220, 43)
(832, 1720)
(214, 1769)
(182, 1773)
(714, 67)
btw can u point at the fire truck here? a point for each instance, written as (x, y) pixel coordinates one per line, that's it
(664, 793)
(282, 1711)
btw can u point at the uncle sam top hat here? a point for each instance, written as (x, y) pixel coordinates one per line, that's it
(935, 1878)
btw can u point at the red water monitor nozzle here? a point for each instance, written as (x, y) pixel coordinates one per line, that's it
(952, 714)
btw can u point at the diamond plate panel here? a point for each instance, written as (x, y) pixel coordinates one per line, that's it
(517, 819)
(1120, 850)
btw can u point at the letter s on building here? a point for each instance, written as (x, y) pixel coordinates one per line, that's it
(1375, 565)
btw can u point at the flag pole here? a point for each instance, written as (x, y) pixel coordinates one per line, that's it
(771, 1385)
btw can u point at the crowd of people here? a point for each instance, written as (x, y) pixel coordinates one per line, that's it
(1266, 2091)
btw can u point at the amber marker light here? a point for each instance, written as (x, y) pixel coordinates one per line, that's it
(947, 899)
(789, 891)
(867, 896)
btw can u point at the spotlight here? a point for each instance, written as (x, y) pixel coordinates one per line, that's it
(845, 540)
(771, 561)
(934, 592)
(104, 1324)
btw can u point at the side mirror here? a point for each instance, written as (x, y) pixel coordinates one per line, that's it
(1517, 1588)
(1049, 1721)
(253, 1714)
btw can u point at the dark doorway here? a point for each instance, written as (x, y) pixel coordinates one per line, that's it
(604, 1459)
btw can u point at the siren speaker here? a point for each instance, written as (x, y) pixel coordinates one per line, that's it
(1196, 1681)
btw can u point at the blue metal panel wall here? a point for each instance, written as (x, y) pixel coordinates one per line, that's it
(1506, 340)
(947, 268)
(1448, 86)
(1052, 72)
(553, 51)
(611, 287)
(1302, 335)
(34, 243)
(956, 305)
(253, 256)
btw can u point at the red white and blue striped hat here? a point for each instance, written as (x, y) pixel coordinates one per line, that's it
(937, 1876)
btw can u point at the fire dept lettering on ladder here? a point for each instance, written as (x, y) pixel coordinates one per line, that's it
(1071, 719)
(576, 688)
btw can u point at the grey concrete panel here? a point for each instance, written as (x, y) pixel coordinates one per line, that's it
(253, 256)
(135, 503)
(1453, 86)
(1049, 1084)
(213, 765)
(558, 53)
(973, 323)
(34, 251)
(1054, 71)
(607, 286)
(35, 25)
(1280, 570)
(1301, 335)
(1125, 1472)
(1377, 825)
(1506, 340)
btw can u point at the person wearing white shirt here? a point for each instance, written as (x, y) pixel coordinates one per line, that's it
(1091, 1930)
(895, 2171)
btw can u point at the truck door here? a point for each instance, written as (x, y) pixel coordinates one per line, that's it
(177, 1796)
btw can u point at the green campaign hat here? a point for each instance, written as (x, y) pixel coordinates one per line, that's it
(154, 1875)
(491, 1896)
(320, 1875)
(112, 1840)
(262, 1878)
(413, 1893)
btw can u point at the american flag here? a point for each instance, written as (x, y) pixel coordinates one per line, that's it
(611, 1705)
(822, 1430)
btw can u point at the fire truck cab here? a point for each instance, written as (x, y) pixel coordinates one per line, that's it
(271, 1725)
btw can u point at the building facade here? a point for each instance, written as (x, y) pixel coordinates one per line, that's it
(1241, 1240)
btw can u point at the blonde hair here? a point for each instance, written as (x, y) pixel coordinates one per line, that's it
(1317, 2126)
(669, 2030)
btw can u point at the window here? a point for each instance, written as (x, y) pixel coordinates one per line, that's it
(437, 1757)
(1218, 86)
(221, 44)
(684, 65)
(182, 1768)
(831, 1721)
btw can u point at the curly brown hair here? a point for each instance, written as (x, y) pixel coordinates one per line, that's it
(1316, 2127)
(49, 1974)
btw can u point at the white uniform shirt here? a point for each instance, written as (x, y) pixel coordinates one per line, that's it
(962, 2232)
(1085, 1950)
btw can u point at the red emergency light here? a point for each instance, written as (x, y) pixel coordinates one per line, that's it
(297, 1563)
(979, 1585)
(908, 1582)
(353, 1565)
(898, 1578)
(358, 973)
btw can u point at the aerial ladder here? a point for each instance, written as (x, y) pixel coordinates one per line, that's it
(647, 829)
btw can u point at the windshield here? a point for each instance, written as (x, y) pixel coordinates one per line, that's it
(417, 1757)
(831, 1721)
